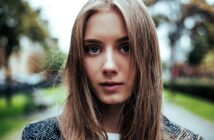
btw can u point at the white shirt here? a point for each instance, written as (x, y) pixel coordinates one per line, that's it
(113, 136)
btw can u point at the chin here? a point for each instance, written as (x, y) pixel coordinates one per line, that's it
(113, 101)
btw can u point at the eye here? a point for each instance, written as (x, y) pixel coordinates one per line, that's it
(92, 50)
(124, 47)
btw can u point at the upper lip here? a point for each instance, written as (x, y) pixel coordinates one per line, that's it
(110, 83)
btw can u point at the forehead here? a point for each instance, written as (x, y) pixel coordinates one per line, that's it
(107, 21)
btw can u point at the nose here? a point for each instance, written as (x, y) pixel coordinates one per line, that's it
(109, 67)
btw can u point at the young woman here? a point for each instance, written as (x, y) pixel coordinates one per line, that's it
(113, 73)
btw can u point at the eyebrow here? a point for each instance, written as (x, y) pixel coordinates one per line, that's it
(122, 39)
(92, 41)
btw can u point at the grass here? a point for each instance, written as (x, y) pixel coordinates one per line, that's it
(56, 94)
(196, 105)
(13, 117)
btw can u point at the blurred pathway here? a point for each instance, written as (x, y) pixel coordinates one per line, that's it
(188, 120)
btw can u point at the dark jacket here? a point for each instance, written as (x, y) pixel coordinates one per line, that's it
(49, 130)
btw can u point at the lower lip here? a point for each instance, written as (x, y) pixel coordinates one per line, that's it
(111, 88)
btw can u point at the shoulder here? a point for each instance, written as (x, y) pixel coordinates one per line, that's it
(172, 131)
(45, 129)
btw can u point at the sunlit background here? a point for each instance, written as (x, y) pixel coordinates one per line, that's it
(34, 42)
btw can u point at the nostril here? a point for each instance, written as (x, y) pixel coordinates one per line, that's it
(109, 71)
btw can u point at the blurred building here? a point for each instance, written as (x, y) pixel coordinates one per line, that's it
(27, 64)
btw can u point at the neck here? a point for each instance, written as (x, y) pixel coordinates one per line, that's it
(111, 114)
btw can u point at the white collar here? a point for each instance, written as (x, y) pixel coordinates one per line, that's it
(113, 136)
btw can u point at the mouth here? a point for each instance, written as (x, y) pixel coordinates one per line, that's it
(111, 86)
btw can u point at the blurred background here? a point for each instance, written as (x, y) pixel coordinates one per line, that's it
(34, 42)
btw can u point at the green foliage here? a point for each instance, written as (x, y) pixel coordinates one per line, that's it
(200, 47)
(18, 102)
(208, 61)
(209, 25)
(202, 40)
(158, 19)
(196, 105)
(11, 116)
(17, 19)
(10, 124)
(54, 61)
(57, 94)
(195, 81)
(201, 31)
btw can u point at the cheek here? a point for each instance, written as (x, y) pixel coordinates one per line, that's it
(90, 69)
(92, 64)
(87, 68)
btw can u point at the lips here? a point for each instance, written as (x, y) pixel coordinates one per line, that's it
(111, 86)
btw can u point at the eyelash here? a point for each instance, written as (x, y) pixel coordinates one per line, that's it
(95, 49)
(89, 50)
(122, 46)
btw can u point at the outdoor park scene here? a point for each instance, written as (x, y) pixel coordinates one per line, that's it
(34, 43)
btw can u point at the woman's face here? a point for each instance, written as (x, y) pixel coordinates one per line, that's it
(107, 59)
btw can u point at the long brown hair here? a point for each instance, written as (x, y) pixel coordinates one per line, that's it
(140, 116)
